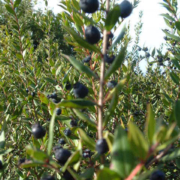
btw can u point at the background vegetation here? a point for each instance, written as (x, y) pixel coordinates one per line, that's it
(42, 53)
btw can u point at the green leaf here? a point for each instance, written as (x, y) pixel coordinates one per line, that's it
(150, 124)
(167, 16)
(176, 63)
(73, 159)
(76, 103)
(172, 36)
(10, 10)
(16, 3)
(88, 173)
(51, 133)
(122, 156)
(3, 152)
(139, 144)
(175, 78)
(43, 98)
(177, 112)
(116, 63)
(175, 154)
(118, 39)
(153, 52)
(177, 23)
(107, 174)
(86, 140)
(112, 17)
(114, 100)
(80, 66)
(81, 41)
(84, 117)
(31, 164)
(37, 154)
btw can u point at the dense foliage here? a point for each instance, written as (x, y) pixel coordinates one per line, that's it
(74, 102)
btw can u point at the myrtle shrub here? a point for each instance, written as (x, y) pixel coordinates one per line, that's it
(80, 108)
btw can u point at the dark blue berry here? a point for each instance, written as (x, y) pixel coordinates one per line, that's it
(58, 111)
(87, 59)
(22, 160)
(48, 178)
(111, 84)
(125, 9)
(89, 6)
(67, 132)
(62, 141)
(38, 131)
(157, 175)
(73, 123)
(92, 34)
(62, 155)
(102, 146)
(80, 90)
(68, 86)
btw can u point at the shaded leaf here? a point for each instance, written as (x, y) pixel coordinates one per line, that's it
(80, 66)
(177, 112)
(138, 143)
(122, 156)
(112, 17)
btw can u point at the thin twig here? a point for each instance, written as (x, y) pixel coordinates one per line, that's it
(100, 109)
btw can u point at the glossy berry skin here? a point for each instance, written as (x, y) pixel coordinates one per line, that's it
(55, 148)
(87, 59)
(68, 86)
(1, 165)
(108, 59)
(48, 178)
(87, 153)
(58, 111)
(111, 84)
(27, 90)
(73, 123)
(157, 175)
(62, 155)
(38, 131)
(67, 175)
(125, 8)
(67, 132)
(102, 146)
(53, 96)
(33, 94)
(62, 141)
(92, 34)
(89, 6)
(56, 100)
(22, 160)
(80, 90)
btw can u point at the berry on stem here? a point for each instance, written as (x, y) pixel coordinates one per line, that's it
(92, 34)
(58, 111)
(67, 132)
(62, 155)
(157, 175)
(80, 90)
(38, 131)
(125, 9)
(102, 146)
(89, 6)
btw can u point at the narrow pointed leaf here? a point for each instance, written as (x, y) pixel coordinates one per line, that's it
(82, 42)
(112, 17)
(51, 133)
(122, 156)
(177, 112)
(150, 124)
(138, 143)
(116, 63)
(80, 66)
